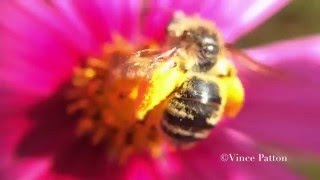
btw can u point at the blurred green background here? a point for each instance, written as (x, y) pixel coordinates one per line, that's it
(300, 18)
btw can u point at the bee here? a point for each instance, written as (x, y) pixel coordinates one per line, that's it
(193, 77)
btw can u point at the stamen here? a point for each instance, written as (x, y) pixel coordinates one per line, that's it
(107, 105)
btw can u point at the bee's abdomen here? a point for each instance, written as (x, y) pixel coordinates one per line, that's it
(188, 112)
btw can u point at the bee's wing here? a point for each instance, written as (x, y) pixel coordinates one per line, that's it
(159, 75)
(143, 63)
(241, 58)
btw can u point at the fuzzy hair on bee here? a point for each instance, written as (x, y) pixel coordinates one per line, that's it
(202, 100)
(194, 78)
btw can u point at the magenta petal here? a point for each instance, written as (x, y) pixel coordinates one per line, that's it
(35, 57)
(103, 18)
(285, 110)
(301, 56)
(57, 17)
(41, 42)
(12, 131)
(31, 140)
(157, 15)
(236, 18)
(204, 161)
(141, 168)
(26, 169)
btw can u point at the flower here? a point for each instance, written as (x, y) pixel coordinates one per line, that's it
(43, 41)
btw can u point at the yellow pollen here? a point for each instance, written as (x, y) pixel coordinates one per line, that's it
(134, 93)
(106, 102)
(89, 73)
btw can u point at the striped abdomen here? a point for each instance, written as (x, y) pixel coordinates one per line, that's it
(192, 111)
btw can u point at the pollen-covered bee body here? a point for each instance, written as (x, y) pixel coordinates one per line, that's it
(193, 109)
(194, 77)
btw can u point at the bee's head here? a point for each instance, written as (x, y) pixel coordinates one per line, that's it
(198, 36)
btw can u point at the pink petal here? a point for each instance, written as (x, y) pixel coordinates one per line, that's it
(141, 168)
(236, 18)
(157, 15)
(26, 169)
(12, 131)
(203, 161)
(283, 110)
(59, 21)
(288, 55)
(104, 18)
(34, 58)
(33, 135)
(41, 42)
(41, 143)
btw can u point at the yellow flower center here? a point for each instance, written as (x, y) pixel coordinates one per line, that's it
(107, 105)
